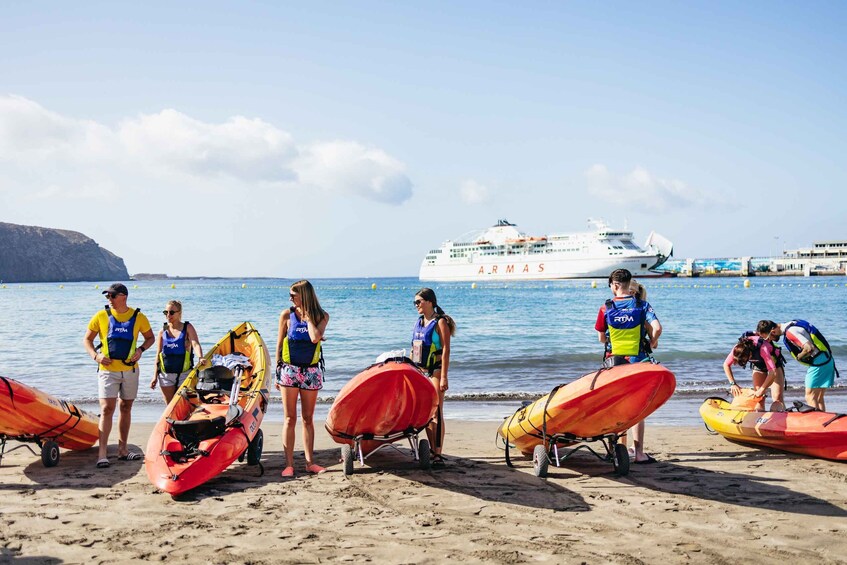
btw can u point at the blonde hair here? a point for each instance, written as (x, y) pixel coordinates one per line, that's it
(309, 300)
(637, 290)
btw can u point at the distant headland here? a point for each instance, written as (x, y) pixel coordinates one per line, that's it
(36, 254)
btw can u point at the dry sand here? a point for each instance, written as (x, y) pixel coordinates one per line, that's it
(706, 501)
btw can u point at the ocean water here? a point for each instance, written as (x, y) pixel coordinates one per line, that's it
(514, 341)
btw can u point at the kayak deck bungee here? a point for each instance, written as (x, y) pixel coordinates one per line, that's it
(599, 406)
(28, 415)
(211, 423)
(800, 429)
(385, 403)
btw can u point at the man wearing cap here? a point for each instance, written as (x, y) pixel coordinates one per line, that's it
(117, 326)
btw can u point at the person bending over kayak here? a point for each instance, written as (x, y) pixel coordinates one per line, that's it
(626, 324)
(809, 347)
(758, 353)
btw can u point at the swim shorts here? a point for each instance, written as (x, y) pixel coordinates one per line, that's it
(821, 377)
(172, 379)
(306, 378)
(114, 384)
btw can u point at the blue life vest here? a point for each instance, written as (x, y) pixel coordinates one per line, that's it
(176, 356)
(824, 353)
(424, 350)
(120, 339)
(626, 320)
(297, 346)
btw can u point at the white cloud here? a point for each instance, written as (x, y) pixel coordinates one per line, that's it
(53, 155)
(642, 189)
(473, 192)
(348, 167)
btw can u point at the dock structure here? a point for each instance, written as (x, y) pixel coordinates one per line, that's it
(823, 258)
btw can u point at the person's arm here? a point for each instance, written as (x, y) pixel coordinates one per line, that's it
(656, 327)
(443, 330)
(600, 324)
(149, 339)
(88, 344)
(155, 378)
(316, 331)
(195, 345)
(734, 389)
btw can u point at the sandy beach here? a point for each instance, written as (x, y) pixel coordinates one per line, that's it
(706, 501)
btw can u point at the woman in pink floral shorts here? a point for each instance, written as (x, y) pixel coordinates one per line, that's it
(299, 371)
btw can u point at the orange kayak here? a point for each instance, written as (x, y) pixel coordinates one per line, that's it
(381, 403)
(29, 415)
(819, 434)
(608, 401)
(213, 419)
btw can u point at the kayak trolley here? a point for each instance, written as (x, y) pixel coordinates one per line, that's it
(49, 448)
(420, 449)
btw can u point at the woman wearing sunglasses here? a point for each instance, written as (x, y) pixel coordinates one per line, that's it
(177, 346)
(431, 350)
(299, 370)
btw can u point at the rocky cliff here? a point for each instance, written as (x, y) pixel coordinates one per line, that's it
(34, 254)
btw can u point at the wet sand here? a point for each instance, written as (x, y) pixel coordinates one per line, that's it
(706, 501)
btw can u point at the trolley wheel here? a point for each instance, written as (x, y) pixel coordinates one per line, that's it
(254, 448)
(424, 454)
(50, 453)
(347, 459)
(621, 460)
(540, 461)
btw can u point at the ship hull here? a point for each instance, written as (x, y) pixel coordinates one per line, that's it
(517, 268)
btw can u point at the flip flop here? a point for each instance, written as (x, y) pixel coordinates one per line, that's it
(288, 473)
(103, 463)
(437, 461)
(315, 469)
(131, 456)
(650, 459)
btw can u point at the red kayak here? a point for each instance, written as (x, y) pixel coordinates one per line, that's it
(385, 403)
(29, 415)
(213, 419)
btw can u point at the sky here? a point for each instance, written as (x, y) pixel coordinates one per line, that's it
(336, 139)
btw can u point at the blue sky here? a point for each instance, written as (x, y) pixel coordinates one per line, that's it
(347, 139)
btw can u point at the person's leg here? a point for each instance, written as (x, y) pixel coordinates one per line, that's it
(167, 392)
(435, 429)
(778, 391)
(308, 399)
(814, 398)
(759, 379)
(289, 422)
(124, 422)
(107, 410)
(638, 442)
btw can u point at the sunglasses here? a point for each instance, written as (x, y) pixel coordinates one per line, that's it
(170, 312)
(418, 302)
(292, 295)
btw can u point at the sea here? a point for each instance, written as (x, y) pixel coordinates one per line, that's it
(513, 342)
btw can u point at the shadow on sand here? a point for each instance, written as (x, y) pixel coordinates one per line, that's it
(718, 486)
(478, 478)
(76, 470)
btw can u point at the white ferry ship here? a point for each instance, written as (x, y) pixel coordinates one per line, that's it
(502, 252)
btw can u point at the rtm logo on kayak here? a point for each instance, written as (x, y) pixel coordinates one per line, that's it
(763, 420)
(623, 318)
